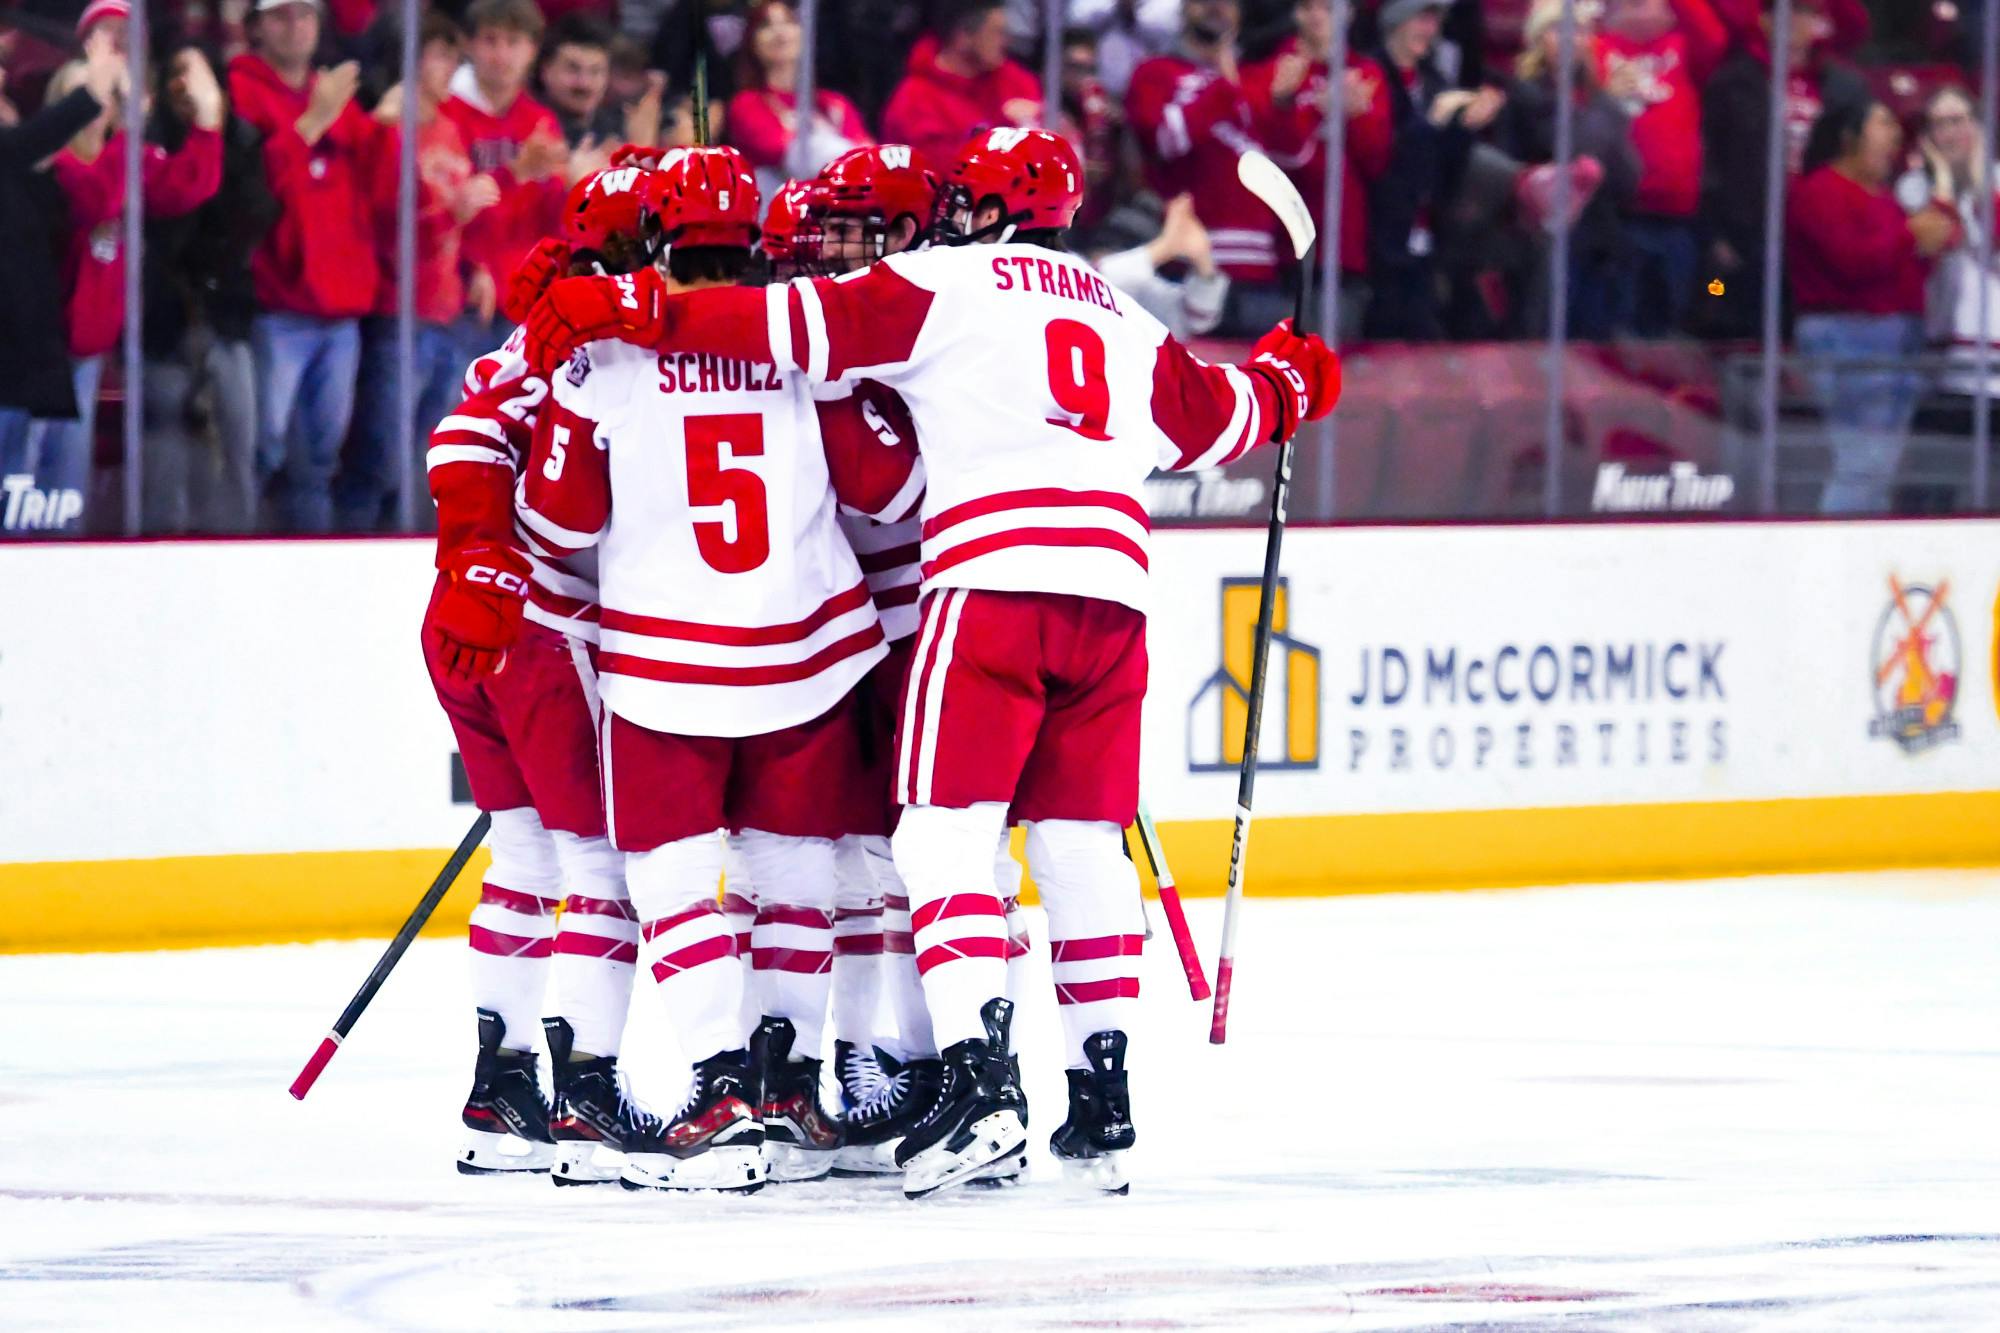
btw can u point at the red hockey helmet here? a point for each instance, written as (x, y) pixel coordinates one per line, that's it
(704, 196)
(861, 196)
(788, 227)
(1034, 174)
(602, 219)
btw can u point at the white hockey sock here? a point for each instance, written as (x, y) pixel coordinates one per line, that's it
(792, 940)
(688, 943)
(1091, 893)
(859, 1003)
(959, 924)
(514, 926)
(904, 988)
(597, 943)
(1007, 883)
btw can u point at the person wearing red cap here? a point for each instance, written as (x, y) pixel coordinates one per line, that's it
(317, 271)
(113, 15)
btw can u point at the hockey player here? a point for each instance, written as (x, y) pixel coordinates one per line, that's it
(736, 624)
(527, 737)
(1042, 399)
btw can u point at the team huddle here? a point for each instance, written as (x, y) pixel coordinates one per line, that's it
(801, 553)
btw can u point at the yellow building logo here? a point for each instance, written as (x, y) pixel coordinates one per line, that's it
(1289, 740)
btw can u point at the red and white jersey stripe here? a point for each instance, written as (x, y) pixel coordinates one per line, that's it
(732, 604)
(474, 456)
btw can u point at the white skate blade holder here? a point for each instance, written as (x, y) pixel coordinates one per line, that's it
(867, 1159)
(787, 1163)
(1104, 1175)
(728, 1167)
(582, 1162)
(993, 1137)
(485, 1153)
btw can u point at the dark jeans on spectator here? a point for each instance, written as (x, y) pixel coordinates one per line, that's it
(201, 438)
(370, 480)
(305, 380)
(1867, 408)
(55, 456)
(1403, 304)
(1656, 283)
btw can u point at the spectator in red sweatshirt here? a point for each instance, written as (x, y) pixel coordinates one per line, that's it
(1192, 121)
(450, 195)
(1291, 94)
(960, 81)
(1657, 54)
(91, 173)
(517, 141)
(316, 272)
(1858, 265)
(763, 115)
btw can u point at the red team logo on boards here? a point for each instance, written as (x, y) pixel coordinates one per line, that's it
(1917, 665)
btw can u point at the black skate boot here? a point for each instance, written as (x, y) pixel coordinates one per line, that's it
(884, 1097)
(1007, 1170)
(1092, 1143)
(506, 1120)
(592, 1118)
(975, 1120)
(800, 1138)
(715, 1142)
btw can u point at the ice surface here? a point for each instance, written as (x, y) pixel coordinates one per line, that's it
(1757, 1104)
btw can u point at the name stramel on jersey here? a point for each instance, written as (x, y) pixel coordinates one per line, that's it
(702, 372)
(1028, 274)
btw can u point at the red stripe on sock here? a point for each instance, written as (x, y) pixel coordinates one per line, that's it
(510, 946)
(849, 946)
(977, 946)
(654, 929)
(812, 918)
(1088, 992)
(743, 944)
(612, 907)
(681, 960)
(1101, 946)
(515, 901)
(578, 944)
(1017, 947)
(806, 962)
(898, 941)
(956, 904)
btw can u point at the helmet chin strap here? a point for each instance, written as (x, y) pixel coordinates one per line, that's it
(1001, 230)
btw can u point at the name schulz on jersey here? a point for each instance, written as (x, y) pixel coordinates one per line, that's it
(1584, 696)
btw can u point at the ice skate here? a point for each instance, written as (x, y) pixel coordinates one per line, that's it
(975, 1120)
(1008, 1169)
(715, 1142)
(506, 1120)
(800, 1138)
(1092, 1143)
(884, 1098)
(592, 1117)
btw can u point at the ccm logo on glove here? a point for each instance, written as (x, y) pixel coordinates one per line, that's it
(504, 580)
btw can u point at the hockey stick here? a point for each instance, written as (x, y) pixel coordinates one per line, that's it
(1170, 903)
(1263, 178)
(391, 956)
(699, 25)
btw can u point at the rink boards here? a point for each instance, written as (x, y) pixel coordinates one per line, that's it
(213, 742)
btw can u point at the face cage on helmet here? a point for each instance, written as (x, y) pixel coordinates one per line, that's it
(874, 240)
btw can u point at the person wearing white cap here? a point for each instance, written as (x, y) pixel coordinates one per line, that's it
(113, 14)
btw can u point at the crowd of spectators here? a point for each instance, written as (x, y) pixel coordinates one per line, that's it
(274, 132)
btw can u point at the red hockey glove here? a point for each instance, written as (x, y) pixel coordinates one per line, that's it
(474, 620)
(1304, 371)
(547, 262)
(630, 306)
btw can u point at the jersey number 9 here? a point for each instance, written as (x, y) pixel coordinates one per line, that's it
(1076, 378)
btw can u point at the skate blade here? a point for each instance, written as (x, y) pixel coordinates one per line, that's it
(739, 1169)
(1003, 1173)
(585, 1162)
(787, 1163)
(937, 1167)
(488, 1154)
(1104, 1174)
(867, 1159)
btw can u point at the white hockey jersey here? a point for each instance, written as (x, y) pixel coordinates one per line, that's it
(732, 604)
(1042, 397)
(473, 459)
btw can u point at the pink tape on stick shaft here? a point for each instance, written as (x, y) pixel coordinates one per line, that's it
(310, 1074)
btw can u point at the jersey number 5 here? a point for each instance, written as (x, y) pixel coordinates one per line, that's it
(1076, 378)
(712, 484)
